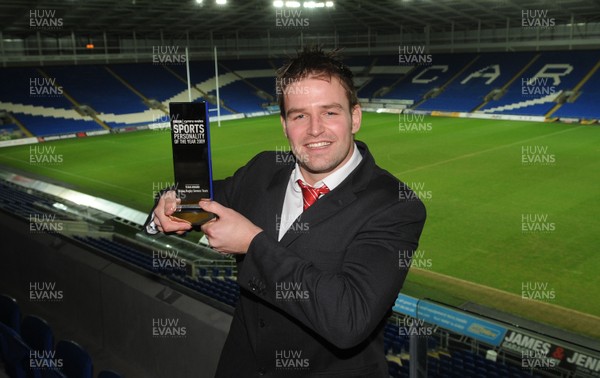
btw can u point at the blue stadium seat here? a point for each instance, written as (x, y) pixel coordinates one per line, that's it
(37, 333)
(77, 363)
(15, 352)
(10, 314)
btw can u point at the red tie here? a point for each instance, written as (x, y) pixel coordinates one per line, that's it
(310, 194)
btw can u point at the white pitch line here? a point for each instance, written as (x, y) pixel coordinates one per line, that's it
(484, 151)
(84, 177)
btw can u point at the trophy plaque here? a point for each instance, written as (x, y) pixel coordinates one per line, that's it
(190, 139)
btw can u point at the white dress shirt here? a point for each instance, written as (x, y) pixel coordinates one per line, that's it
(293, 202)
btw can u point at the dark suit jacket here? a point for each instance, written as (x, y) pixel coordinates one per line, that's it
(315, 303)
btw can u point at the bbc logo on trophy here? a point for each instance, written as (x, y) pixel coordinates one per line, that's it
(190, 139)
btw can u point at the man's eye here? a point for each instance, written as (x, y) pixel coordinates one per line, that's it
(331, 114)
(299, 116)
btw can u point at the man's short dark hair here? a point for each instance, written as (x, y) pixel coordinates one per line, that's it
(313, 61)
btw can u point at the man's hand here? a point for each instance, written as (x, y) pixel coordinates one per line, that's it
(230, 232)
(163, 219)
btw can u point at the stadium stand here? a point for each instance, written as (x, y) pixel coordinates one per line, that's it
(534, 91)
(469, 90)
(31, 352)
(96, 87)
(162, 86)
(123, 94)
(245, 64)
(14, 352)
(423, 79)
(585, 104)
(26, 85)
(46, 126)
(376, 84)
(9, 131)
(241, 97)
(265, 84)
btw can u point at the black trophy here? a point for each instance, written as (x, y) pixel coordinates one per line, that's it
(190, 138)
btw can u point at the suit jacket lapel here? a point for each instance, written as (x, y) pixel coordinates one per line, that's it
(276, 191)
(337, 199)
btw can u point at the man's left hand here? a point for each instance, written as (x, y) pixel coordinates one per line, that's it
(230, 232)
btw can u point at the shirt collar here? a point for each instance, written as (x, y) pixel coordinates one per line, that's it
(334, 179)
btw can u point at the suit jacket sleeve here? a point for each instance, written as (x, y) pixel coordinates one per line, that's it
(344, 306)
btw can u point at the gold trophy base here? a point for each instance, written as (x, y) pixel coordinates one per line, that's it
(193, 213)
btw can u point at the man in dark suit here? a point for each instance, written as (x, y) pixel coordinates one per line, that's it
(318, 239)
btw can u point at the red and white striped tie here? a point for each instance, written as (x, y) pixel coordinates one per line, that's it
(310, 194)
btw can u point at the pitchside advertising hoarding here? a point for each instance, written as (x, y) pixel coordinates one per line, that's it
(452, 320)
(534, 352)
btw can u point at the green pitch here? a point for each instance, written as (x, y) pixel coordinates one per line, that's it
(511, 205)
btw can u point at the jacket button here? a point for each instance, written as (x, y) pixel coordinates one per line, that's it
(261, 323)
(261, 371)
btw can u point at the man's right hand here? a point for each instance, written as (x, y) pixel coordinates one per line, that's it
(163, 218)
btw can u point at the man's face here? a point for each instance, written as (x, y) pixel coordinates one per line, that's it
(319, 125)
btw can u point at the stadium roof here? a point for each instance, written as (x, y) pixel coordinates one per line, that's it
(252, 18)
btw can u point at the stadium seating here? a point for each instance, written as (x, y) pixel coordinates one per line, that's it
(265, 84)
(96, 87)
(200, 70)
(423, 79)
(36, 339)
(469, 90)
(10, 314)
(26, 85)
(248, 86)
(15, 352)
(161, 86)
(241, 97)
(245, 64)
(528, 97)
(375, 84)
(8, 127)
(47, 126)
(76, 361)
(586, 106)
(119, 250)
(36, 332)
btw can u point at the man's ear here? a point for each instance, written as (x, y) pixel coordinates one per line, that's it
(356, 118)
(283, 125)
